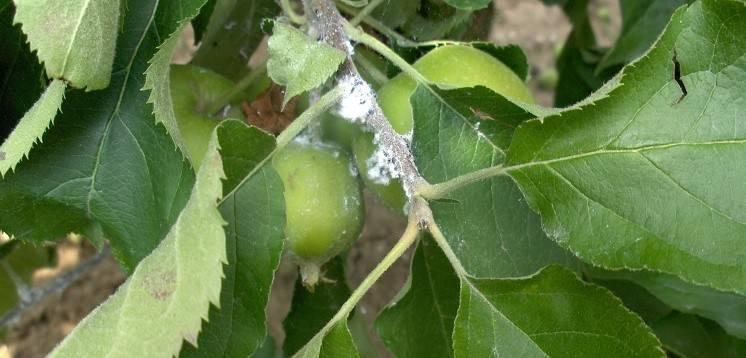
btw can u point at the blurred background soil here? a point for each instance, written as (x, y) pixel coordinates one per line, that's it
(538, 29)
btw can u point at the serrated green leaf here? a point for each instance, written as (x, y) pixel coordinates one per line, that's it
(75, 39)
(469, 5)
(650, 177)
(727, 309)
(255, 212)
(31, 127)
(310, 311)
(232, 35)
(21, 73)
(642, 23)
(691, 337)
(105, 164)
(169, 293)
(552, 314)
(488, 224)
(427, 310)
(298, 62)
(158, 79)
(202, 20)
(336, 342)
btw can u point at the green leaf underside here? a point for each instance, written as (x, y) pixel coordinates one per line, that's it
(158, 81)
(310, 311)
(75, 39)
(298, 62)
(488, 224)
(727, 309)
(255, 213)
(20, 72)
(549, 314)
(646, 178)
(31, 127)
(427, 310)
(169, 293)
(692, 337)
(232, 35)
(105, 163)
(395, 13)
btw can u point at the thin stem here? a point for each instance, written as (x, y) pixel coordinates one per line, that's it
(378, 46)
(437, 191)
(380, 27)
(287, 8)
(404, 243)
(314, 111)
(241, 86)
(371, 68)
(322, 105)
(365, 12)
(440, 239)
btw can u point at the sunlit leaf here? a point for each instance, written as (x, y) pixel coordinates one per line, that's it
(75, 39)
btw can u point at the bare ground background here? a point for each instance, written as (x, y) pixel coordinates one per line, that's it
(538, 29)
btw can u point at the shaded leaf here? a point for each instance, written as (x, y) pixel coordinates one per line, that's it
(75, 39)
(298, 62)
(105, 164)
(310, 311)
(426, 310)
(336, 342)
(691, 337)
(549, 314)
(169, 293)
(31, 127)
(395, 13)
(232, 35)
(469, 5)
(727, 309)
(255, 211)
(20, 72)
(642, 23)
(650, 178)
(488, 223)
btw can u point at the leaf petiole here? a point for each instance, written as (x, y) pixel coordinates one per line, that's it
(314, 111)
(438, 191)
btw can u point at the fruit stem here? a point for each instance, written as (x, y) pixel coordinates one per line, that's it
(379, 26)
(365, 12)
(438, 191)
(241, 86)
(405, 242)
(287, 8)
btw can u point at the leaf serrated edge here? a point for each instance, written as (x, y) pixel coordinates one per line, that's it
(32, 127)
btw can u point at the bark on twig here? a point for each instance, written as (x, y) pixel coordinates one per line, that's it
(326, 23)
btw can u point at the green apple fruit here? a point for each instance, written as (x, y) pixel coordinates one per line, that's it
(448, 66)
(323, 204)
(193, 89)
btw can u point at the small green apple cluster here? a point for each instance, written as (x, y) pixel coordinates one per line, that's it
(323, 179)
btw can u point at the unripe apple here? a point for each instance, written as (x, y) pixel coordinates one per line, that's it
(323, 204)
(193, 90)
(448, 66)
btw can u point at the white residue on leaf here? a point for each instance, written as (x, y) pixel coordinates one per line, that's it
(382, 165)
(353, 169)
(357, 101)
